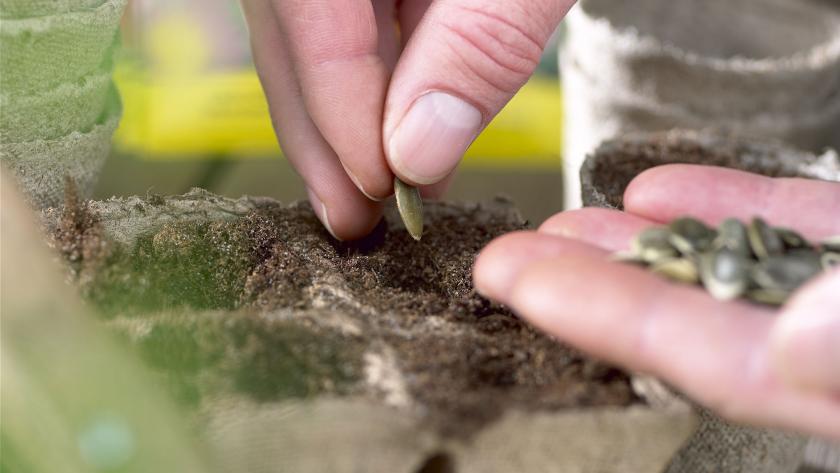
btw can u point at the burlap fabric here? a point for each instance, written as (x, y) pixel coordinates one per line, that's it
(765, 67)
(10, 9)
(56, 112)
(41, 53)
(58, 107)
(41, 166)
(717, 446)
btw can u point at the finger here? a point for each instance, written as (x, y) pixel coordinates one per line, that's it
(410, 14)
(334, 47)
(806, 337)
(389, 46)
(345, 212)
(713, 194)
(585, 299)
(609, 229)
(714, 352)
(499, 264)
(464, 61)
(438, 189)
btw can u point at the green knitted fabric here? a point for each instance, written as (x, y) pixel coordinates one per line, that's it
(55, 113)
(58, 107)
(33, 8)
(41, 166)
(37, 54)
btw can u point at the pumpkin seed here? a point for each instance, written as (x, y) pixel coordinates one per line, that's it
(724, 273)
(627, 257)
(791, 238)
(690, 236)
(787, 272)
(830, 260)
(653, 244)
(732, 234)
(410, 206)
(677, 269)
(831, 244)
(768, 296)
(763, 240)
(757, 262)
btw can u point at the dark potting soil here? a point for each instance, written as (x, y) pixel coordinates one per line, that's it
(607, 172)
(266, 305)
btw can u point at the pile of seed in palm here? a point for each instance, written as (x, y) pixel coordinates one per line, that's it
(752, 260)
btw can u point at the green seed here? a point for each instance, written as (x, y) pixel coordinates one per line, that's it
(763, 240)
(831, 244)
(791, 238)
(787, 272)
(690, 236)
(653, 244)
(753, 261)
(768, 296)
(724, 273)
(410, 206)
(732, 234)
(830, 260)
(677, 269)
(627, 257)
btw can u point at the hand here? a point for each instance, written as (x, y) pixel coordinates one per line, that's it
(750, 363)
(361, 89)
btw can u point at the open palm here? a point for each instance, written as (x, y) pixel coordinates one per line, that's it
(749, 363)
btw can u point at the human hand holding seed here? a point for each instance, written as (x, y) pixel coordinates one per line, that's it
(361, 90)
(749, 362)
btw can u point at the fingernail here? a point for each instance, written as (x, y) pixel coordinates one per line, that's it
(359, 185)
(432, 137)
(808, 349)
(321, 212)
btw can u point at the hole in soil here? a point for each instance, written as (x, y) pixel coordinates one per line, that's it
(440, 462)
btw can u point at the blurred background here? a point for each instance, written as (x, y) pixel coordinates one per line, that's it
(195, 115)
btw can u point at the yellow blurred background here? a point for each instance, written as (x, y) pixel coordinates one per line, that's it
(195, 114)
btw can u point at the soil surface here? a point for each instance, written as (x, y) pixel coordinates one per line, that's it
(267, 306)
(607, 172)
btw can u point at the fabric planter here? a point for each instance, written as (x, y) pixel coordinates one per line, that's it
(769, 68)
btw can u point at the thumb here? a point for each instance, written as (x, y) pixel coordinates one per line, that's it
(462, 64)
(805, 340)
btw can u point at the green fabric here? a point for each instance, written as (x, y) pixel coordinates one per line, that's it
(58, 107)
(41, 166)
(38, 54)
(58, 112)
(32, 8)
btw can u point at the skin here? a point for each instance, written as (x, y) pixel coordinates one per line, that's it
(753, 364)
(361, 90)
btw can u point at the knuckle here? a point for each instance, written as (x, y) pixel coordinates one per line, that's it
(497, 50)
(323, 53)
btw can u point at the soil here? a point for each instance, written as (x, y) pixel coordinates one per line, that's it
(78, 233)
(267, 306)
(607, 172)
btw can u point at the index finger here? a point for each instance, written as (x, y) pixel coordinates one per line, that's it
(335, 50)
(715, 352)
(714, 194)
